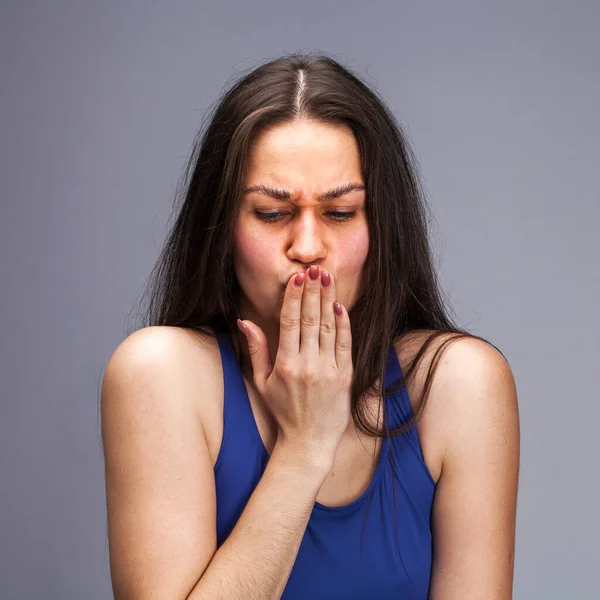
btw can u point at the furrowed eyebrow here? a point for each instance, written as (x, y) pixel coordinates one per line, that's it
(281, 194)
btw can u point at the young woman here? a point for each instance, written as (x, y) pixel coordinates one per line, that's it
(265, 432)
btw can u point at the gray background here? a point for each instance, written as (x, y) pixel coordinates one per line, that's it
(99, 106)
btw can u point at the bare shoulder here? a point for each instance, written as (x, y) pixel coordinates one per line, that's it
(479, 398)
(471, 383)
(463, 360)
(169, 344)
(471, 378)
(170, 356)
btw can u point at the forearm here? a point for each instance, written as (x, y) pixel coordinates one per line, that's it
(256, 559)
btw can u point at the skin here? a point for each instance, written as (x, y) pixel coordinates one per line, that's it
(305, 158)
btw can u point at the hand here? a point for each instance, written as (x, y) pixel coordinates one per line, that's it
(308, 388)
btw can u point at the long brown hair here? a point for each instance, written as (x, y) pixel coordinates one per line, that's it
(193, 284)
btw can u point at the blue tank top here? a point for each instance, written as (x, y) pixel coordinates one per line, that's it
(330, 563)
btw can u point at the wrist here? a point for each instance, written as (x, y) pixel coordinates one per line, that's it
(306, 460)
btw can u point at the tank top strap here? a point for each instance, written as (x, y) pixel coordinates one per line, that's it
(239, 425)
(398, 406)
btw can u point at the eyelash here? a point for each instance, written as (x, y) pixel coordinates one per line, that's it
(347, 215)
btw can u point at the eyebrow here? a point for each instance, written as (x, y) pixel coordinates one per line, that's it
(282, 194)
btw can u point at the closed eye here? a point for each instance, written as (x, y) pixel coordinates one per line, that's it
(338, 216)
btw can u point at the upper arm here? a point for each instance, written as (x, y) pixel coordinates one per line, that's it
(160, 486)
(474, 508)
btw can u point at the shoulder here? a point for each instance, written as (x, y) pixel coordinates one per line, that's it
(160, 342)
(163, 350)
(160, 358)
(463, 364)
(473, 378)
(472, 395)
(479, 411)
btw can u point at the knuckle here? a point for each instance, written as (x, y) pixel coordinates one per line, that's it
(327, 329)
(287, 370)
(289, 323)
(331, 375)
(310, 374)
(252, 349)
(310, 320)
(345, 346)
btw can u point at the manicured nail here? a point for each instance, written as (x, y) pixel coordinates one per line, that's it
(325, 279)
(313, 272)
(242, 327)
(299, 279)
(337, 307)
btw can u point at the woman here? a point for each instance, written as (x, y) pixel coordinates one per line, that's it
(251, 450)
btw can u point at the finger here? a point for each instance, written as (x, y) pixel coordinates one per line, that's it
(259, 353)
(310, 316)
(327, 332)
(343, 340)
(289, 319)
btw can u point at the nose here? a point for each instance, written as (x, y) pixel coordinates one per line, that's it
(307, 243)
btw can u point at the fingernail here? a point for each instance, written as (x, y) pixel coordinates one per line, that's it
(325, 279)
(313, 272)
(242, 327)
(299, 279)
(337, 307)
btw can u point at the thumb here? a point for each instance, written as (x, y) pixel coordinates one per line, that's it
(259, 352)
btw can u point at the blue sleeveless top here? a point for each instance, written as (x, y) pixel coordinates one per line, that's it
(330, 563)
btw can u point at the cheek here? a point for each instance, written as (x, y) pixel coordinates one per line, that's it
(253, 255)
(354, 250)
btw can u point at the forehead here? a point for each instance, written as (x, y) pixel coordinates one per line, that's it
(304, 156)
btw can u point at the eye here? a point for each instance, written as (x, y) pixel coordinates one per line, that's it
(338, 216)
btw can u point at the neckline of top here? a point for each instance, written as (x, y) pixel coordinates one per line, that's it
(391, 374)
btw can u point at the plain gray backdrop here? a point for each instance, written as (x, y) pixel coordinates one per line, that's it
(100, 102)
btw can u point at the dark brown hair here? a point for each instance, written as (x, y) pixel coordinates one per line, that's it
(193, 283)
